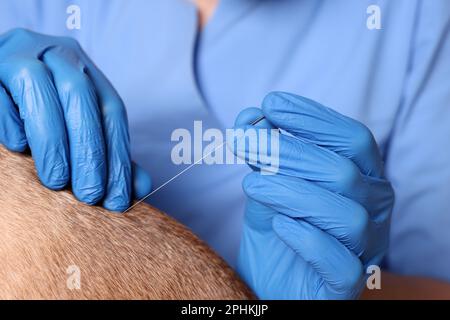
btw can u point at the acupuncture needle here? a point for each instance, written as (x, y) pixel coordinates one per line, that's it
(254, 122)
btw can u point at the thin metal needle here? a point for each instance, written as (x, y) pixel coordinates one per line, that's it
(186, 169)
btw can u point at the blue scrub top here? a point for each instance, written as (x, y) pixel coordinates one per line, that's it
(396, 80)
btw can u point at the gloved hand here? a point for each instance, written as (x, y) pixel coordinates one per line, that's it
(55, 100)
(311, 229)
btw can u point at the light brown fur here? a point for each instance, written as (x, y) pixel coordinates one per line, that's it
(140, 255)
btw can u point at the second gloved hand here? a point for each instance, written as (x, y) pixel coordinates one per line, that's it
(312, 228)
(54, 100)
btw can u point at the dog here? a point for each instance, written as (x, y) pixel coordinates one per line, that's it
(54, 247)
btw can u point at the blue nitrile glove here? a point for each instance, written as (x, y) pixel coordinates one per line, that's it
(55, 100)
(312, 228)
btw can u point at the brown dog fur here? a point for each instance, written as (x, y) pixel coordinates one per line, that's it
(140, 255)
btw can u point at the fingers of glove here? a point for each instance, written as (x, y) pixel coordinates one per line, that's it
(298, 158)
(294, 157)
(31, 87)
(258, 216)
(273, 152)
(83, 122)
(258, 147)
(142, 182)
(340, 269)
(12, 133)
(247, 116)
(343, 218)
(244, 130)
(325, 127)
(115, 129)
